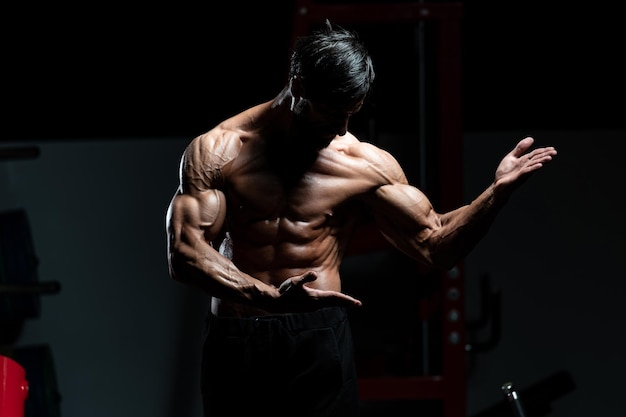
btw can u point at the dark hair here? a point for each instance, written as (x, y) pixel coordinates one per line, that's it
(333, 64)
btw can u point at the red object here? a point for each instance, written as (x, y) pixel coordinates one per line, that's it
(13, 388)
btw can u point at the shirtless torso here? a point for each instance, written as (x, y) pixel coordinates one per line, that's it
(281, 220)
(262, 217)
(267, 204)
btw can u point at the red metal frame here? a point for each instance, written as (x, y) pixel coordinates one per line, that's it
(450, 385)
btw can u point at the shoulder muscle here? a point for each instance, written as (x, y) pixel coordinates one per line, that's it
(204, 159)
(377, 163)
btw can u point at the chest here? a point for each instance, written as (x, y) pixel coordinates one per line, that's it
(266, 195)
(261, 185)
(293, 188)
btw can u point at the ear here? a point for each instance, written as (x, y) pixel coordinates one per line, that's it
(297, 89)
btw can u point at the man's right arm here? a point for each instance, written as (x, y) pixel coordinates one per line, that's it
(193, 221)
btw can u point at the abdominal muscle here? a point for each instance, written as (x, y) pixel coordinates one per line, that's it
(273, 251)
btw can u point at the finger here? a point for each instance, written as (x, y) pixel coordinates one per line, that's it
(308, 277)
(539, 156)
(522, 146)
(356, 302)
(337, 298)
(350, 301)
(285, 286)
(290, 282)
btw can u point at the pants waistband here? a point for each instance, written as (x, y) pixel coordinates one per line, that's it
(324, 317)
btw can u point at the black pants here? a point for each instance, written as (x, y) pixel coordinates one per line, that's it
(283, 365)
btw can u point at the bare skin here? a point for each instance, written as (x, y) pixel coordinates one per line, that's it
(291, 199)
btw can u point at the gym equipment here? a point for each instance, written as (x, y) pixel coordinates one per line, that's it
(536, 398)
(513, 398)
(44, 399)
(19, 282)
(13, 388)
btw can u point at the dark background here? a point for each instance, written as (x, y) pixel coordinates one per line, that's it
(119, 71)
(98, 88)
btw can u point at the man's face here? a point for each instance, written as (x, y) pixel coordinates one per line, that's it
(322, 122)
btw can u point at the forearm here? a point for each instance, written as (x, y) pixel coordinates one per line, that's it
(436, 240)
(217, 275)
(194, 220)
(462, 229)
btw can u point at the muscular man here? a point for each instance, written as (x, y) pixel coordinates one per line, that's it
(267, 203)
